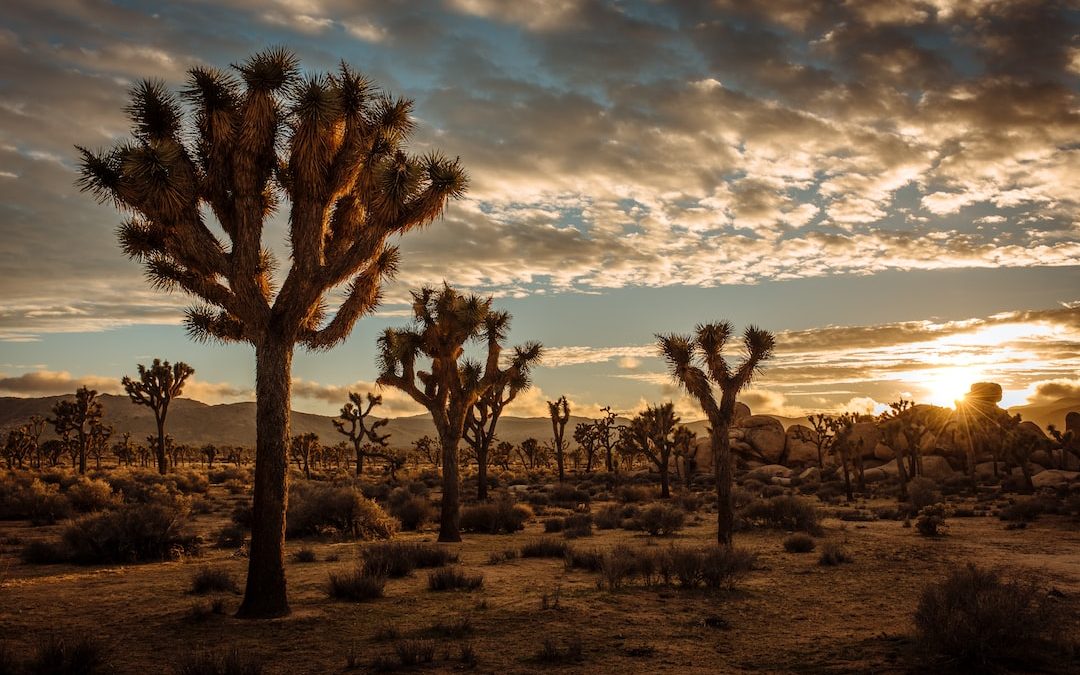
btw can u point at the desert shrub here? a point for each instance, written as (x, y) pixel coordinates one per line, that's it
(772, 491)
(608, 518)
(554, 525)
(61, 656)
(232, 661)
(231, 536)
(451, 628)
(305, 555)
(229, 473)
(497, 557)
(715, 567)
(23, 496)
(551, 653)
(923, 492)
(397, 559)
(357, 585)
(201, 610)
(236, 487)
(931, 520)
(783, 513)
(89, 495)
(243, 515)
(44, 553)
(501, 516)
(799, 543)
(687, 501)
(660, 519)
(577, 525)
(343, 511)
(887, 513)
(1025, 510)
(578, 559)
(974, 617)
(414, 652)
(142, 486)
(413, 511)
(568, 497)
(452, 579)
(831, 491)
(633, 494)
(213, 580)
(131, 533)
(544, 547)
(855, 515)
(833, 553)
(187, 482)
(538, 499)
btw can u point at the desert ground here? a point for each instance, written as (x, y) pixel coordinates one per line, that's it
(790, 613)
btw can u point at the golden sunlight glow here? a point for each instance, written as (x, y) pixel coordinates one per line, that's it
(946, 386)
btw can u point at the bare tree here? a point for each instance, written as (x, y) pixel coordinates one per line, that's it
(697, 364)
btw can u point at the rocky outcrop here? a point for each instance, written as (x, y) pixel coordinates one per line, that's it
(761, 437)
(1055, 478)
(800, 446)
(937, 468)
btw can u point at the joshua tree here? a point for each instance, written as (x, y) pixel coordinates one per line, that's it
(354, 413)
(585, 437)
(484, 415)
(824, 434)
(685, 451)
(844, 448)
(697, 364)
(99, 442)
(502, 454)
(1064, 442)
(124, 450)
(79, 418)
(533, 454)
(607, 437)
(560, 415)
(444, 321)
(305, 450)
(156, 387)
(427, 448)
(332, 147)
(651, 433)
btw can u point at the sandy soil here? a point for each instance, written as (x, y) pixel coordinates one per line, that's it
(790, 615)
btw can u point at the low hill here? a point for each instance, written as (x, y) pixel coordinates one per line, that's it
(1045, 414)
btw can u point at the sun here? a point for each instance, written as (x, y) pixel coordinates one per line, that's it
(947, 386)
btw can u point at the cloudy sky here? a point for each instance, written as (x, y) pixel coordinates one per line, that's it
(891, 187)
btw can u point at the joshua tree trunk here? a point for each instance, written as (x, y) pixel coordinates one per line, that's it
(359, 459)
(725, 508)
(450, 512)
(265, 594)
(903, 475)
(481, 472)
(665, 487)
(162, 460)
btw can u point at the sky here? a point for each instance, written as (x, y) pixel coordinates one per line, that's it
(892, 188)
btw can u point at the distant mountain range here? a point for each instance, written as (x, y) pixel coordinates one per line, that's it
(196, 423)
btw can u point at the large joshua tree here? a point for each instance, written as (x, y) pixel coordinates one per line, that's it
(156, 387)
(331, 148)
(697, 363)
(445, 320)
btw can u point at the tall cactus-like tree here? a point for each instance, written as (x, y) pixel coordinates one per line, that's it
(331, 147)
(652, 433)
(559, 411)
(445, 320)
(484, 415)
(77, 422)
(156, 388)
(697, 364)
(360, 434)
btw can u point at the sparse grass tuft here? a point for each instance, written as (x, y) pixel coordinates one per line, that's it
(833, 553)
(397, 559)
(544, 547)
(453, 579)
(59, 656)
(357, 585)
(213, 580)
(799, 543)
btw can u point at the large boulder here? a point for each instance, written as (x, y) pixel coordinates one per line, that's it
(800, 444)
(883, 452)
(864, 436)
(984, 393)
(1054, 478)
(741, 410)
(762, 435)
(937, 468)
(768, 472)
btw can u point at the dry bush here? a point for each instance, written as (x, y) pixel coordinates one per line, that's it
(131, 533)
(551, 653)
(568, 497)
(931, 520)
(201, 610)
(342, 511)
(414, 652)
(578, 559)
(660, 520)
(357, 585)
(60, 656)
(497, 557)
(231, 536)
(395, 559)
(833, 553)
(501, 516)
(544, 547)
(634, 494)
(44, 553)
(89, 495)
(232, 661)
(608, 518)
(799, 543)
(213, 580)
(714, 567)
(453, 579)
(687, 501)
(923, 492)
(23, 496)
(783, 513)
(305, 555)
(411, 510)
(976, 618)
(454, 629)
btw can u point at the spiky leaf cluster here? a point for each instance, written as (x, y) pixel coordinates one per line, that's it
(329, 143)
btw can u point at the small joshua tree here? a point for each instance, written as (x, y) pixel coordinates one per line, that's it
(76, 421)
(585, 437)
(305, 449)
(697, 363)
(156, 388)
(354, 414)
(444, 321)
(651, 433)
(685, 451)
(560, 415)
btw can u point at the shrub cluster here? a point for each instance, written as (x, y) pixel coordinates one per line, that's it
(357, 585)
(718, 567)
(659, 520)
(397, 559)
(452, 579)
(500, 516)
(344, 511)
(783, 513)
(131, 533)
(412, 510)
